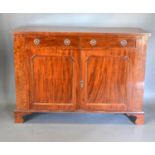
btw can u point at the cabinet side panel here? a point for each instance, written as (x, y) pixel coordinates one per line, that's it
(21, 73)
(139, 74)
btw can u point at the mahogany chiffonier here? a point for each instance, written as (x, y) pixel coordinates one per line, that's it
(80, 70)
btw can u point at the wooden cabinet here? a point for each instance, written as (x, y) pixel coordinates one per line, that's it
(80, 69)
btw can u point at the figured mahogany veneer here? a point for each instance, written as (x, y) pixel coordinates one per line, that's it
(80, 70)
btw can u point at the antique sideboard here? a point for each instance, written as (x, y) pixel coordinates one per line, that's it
(80, 70)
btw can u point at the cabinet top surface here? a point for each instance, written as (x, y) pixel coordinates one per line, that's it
(80, 30)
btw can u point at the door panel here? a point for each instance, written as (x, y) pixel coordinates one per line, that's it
(105, 74)
(53, 79)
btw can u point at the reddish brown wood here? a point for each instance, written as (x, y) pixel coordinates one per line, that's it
(107, 42)
(53, 78)
(136, 118)
(106, 73)
(52, 75)
(19, 116)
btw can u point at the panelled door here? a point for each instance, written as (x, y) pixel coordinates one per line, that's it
(105, 79)
(53, 78)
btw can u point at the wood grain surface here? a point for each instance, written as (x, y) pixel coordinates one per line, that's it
(99, 70)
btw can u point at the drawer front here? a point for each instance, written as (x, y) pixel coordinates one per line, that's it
(93, 42)
(52, 41)
(39, 41)
(85, 42)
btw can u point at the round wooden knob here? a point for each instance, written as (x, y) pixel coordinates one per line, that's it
(125, 58)
(67, 42)
(36, 41)
(123, 43)
(93, 42)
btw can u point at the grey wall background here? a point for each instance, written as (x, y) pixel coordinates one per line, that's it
(8, 22)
